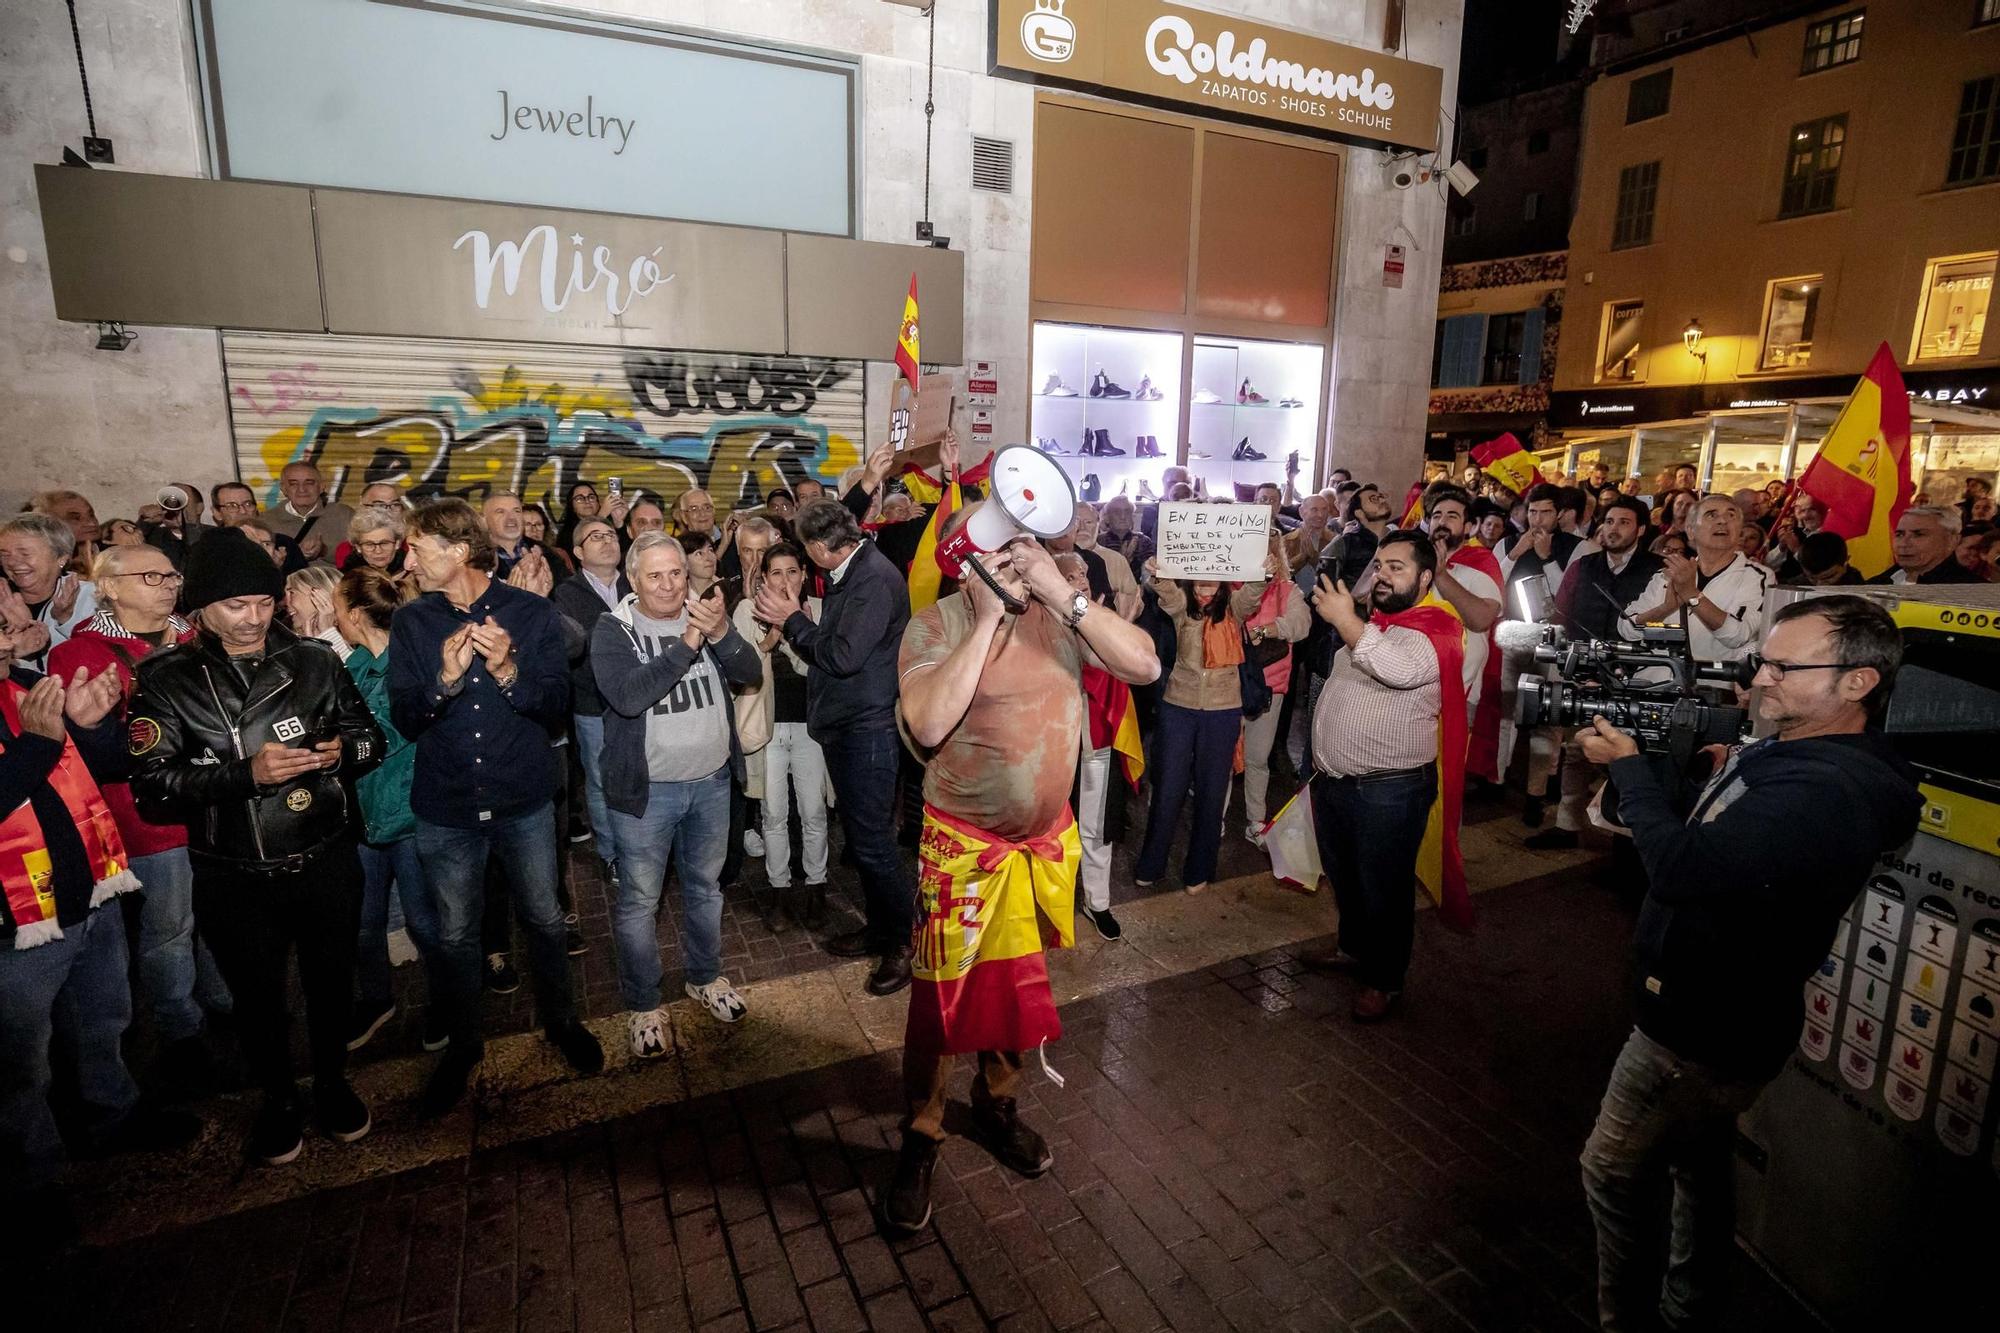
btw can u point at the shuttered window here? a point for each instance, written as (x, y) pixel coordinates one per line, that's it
(1463, 346)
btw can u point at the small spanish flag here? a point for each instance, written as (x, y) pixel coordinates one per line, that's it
(1504, 460)
(1413, 506)
(925, 576)
(906, 337)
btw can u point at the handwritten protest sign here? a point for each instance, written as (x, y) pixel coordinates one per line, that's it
(1213, 541)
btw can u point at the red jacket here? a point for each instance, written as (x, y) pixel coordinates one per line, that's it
(93, 649)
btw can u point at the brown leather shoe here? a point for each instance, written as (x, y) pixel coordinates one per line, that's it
(1372, 1006)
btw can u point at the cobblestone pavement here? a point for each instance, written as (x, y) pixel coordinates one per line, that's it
(1231, 1152)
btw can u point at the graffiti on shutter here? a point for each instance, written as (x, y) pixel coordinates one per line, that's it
(439, 417)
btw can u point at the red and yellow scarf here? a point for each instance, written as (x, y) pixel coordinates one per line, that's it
(35, 905)
(1440, 864)
(1483, 757)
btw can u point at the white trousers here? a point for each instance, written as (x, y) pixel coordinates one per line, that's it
(1094, 788)
(793, 762)
(1258, 734)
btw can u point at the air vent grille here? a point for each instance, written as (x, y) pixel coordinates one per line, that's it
(992, 164)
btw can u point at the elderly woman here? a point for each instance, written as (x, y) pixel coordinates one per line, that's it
(375, 539)
(178, 982)
(43, 602)
(309, 606)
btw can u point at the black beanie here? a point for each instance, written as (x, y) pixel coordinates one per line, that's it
(228, 564)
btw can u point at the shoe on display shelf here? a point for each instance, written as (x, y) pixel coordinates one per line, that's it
(1194, 453)
(1091, 488)
(1055, 388)
(1243, 453)
(1147, 390)
(1291, 402)
(1249, 397)
(1103, 386)
(1146, 492)
(1048, 446)
(1105, 448)
(1207, 396)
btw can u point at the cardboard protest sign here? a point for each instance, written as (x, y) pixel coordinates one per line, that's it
(1224, 542)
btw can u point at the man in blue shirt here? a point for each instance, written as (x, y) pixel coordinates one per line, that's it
(477, 674)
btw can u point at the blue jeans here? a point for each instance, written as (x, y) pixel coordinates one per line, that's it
(1667, 1127)
(177, 976)
(863, 766)
(1369, 831)
(381, 864)
(589, 754)
(687, 823)
(75, 987)
(1194, 749)
(455, 861)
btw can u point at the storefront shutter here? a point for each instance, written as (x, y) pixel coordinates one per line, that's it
(1531, 345)
(435, 416)
(1464, 345)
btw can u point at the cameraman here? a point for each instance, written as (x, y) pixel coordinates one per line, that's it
(1744, 898)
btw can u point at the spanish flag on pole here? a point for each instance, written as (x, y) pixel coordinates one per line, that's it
(1504, 460)
(1862, 473)
(906, 337)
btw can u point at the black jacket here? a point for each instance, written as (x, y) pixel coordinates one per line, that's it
(196, 721)
(1745, 894)
(1592, 598)
(577, 599)
(853, 648)
(1946, 571)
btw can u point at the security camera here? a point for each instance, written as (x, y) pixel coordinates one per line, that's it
(1402, 173)
(1462, 180)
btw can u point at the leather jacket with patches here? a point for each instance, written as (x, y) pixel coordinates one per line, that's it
(199, 717)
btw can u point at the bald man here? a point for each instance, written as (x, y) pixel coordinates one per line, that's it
(307, 516)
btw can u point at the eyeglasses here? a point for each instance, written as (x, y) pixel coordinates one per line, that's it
(1758, 663)
(600, 535)
(152, 578)
(384, 544)
(236, 506)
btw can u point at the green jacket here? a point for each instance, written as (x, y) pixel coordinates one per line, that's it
(384, 793)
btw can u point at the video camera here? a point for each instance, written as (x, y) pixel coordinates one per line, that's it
(1596, 678)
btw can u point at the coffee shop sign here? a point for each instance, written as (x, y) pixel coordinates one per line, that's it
(594, 274)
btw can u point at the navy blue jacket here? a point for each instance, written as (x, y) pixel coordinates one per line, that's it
(853, 648)
(482, 752)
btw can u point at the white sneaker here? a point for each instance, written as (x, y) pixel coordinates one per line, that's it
(649, 1034)
(1255, 834)
(724, 1005)
(753, 842)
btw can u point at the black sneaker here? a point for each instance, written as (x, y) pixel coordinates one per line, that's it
(367, 1024)
(341, 1114)
(1551, 840)
(573, 941)
(278, 1134)
(1107, 924)
(437, 1032)
(906, 1209)
(501, 978)
(997, 1124)
(447, 1083)
(578, 1046)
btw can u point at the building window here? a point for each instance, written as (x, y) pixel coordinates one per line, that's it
(1531, 206)
(1790, 307)
(1647, 98)
(1538, 142)
(1812, 166)
(1955, 299)
(1638, 188)
(1975, 144)
(1465, 222)
(1503, 348)
(1834, 42)
(1619, 363)
(1437, 356)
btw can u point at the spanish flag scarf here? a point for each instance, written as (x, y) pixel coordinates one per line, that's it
(37, 907)
(1113, 722)
(1440, 865)
(985, 906)
(1483, 755)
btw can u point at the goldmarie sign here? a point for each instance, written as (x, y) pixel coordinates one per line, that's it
(1174, 53)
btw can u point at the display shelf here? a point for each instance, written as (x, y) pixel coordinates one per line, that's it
(1078, 356)
(1226, 367)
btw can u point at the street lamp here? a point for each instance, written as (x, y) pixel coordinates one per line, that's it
(1691, 339)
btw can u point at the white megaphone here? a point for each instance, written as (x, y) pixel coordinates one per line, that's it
(1027, 495)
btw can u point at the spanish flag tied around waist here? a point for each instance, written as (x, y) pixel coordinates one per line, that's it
(1113, 721)
(906, 337)
(1504, 460)
(1440, 865)
(1862, 472)
(985, 906)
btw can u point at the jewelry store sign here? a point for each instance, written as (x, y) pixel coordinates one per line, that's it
(1219, 62)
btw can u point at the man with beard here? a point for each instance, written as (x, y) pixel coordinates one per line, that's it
(1391, 716)
(1593, 598)
(1469, 578)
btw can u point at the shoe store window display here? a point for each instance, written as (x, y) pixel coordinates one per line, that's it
(1201, 720)
(993, 702)
(1105, 394)
(666, 662)
(1247, 408)
(1281, 619)
(784, 763)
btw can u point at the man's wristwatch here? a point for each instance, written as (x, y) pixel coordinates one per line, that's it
(1079, 605)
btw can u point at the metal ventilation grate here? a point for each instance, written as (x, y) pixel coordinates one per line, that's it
(992, 164)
